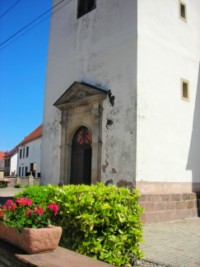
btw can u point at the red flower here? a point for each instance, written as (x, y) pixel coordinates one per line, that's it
(1, 213)
(54, 207)
(38, 210)
(8, 202)
(24, 201)
(29, 202)
(28, 212)
(9, 205)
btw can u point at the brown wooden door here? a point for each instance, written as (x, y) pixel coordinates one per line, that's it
(81, 157)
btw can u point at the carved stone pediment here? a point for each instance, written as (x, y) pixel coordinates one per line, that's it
(79, 94)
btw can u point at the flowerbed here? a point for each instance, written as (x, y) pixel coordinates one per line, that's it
(23, 212)
(99, 221)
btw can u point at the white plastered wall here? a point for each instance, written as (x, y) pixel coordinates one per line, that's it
(13, 164)
(100, 49)
(167, 127)
(34, 156)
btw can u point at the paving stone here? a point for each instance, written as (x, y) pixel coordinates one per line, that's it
(175, 244)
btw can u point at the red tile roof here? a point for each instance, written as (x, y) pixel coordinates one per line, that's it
(11, 152)
(2, 155)
(32, 136)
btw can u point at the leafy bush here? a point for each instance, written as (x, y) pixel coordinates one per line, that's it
(17, 186)
(99, 221)
(2, 185)
(36, 192)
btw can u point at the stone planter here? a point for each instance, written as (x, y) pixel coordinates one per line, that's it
(32, 240)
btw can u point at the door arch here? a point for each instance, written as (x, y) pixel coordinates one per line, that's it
(81, 156)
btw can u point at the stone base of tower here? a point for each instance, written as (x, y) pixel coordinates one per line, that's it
(169, 201)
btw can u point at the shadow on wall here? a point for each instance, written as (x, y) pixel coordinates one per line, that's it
(194, 153)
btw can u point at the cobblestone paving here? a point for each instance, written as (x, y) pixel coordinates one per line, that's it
(172, 244)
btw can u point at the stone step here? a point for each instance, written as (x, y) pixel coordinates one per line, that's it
(168, 207)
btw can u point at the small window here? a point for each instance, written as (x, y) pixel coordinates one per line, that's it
(19, 172)
(20, 153)
(26, 171)
(27, 151)
(182, 10)
(85, 6)
(185, 90)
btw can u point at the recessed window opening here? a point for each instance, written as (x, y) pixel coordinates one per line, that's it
(185, 90)
(20, 153)
(85, 6)
(182, 10)
(27, 151)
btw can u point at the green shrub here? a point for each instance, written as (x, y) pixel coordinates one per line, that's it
(99, 221)
(17, 186)
(36, 192)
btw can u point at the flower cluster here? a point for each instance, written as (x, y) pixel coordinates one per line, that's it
(23, 212)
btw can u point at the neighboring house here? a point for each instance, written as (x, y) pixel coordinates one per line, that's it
(2, 163)
(11, 162)
(29, 154)
(122, 103)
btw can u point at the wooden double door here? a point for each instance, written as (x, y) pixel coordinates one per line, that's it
(81, 157)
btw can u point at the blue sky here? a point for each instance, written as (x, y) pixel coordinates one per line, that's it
(23, 62)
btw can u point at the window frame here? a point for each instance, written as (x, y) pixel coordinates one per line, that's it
(185, 82)
(182, 4)
(27, 151)
(20, 153)
(82, 13)
(19, 174)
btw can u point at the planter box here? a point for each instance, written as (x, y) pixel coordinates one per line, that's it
(32, 240)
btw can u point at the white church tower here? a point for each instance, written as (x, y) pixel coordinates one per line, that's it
(122, 102)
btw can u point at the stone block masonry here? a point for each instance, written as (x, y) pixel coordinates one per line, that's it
(169, 207)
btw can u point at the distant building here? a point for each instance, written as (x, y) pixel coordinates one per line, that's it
(11, 162)
(29, 154)
(122, 103)
(2, 163)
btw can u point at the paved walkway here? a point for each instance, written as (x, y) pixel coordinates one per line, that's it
(9, 191)
(174, 243)
(171, 244)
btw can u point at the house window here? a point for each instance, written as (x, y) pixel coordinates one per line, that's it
(185, 89)
(26, 171)
(24, 152)
(20, 153)
(7, 163)
(27, 151)
(182, 10)
(19, 171)
(85, 6)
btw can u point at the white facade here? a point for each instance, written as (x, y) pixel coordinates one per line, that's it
(102, 54)
(168, 127)
(141, 51)
(29, 158)
(13, 164)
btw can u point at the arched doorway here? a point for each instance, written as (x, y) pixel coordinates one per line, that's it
(81, 157)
